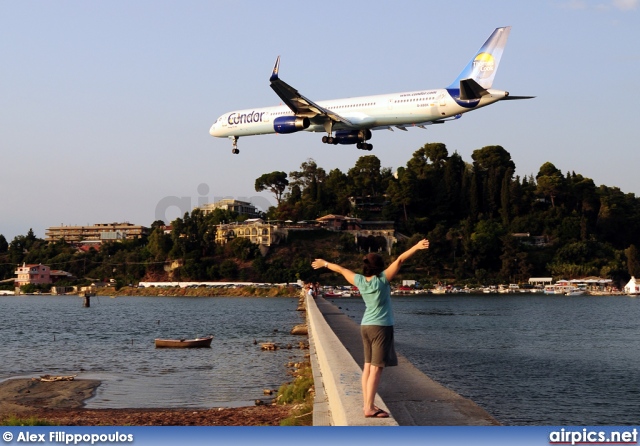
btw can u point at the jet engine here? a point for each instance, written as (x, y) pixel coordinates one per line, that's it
(290, 124)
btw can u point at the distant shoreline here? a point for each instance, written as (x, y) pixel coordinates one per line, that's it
(176, 291)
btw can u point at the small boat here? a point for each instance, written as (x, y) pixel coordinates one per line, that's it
(203, 342)
(332, 294)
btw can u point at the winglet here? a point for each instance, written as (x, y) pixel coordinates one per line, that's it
(276, 68)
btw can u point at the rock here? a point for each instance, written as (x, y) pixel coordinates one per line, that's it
(300, 330)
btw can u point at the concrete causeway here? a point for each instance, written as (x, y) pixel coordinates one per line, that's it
(410, 396)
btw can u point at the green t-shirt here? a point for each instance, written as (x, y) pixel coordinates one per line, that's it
(376, 294)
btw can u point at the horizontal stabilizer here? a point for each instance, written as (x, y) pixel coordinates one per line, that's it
(517, 97)
(470, 89)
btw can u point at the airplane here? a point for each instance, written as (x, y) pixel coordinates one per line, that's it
(351, 120)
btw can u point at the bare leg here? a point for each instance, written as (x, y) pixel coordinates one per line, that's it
(370, 380)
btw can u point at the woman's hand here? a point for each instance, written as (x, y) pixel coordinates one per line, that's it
(422, 244)
(318, 263)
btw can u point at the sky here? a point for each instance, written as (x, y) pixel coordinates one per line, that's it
(105, 106)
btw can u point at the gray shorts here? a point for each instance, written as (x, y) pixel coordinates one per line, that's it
(378, 345)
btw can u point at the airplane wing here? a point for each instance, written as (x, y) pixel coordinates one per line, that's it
(300, 105)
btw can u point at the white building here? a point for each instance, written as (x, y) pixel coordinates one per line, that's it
(633, 287)
(229, 204)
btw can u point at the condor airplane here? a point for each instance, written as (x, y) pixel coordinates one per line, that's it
(351, 120)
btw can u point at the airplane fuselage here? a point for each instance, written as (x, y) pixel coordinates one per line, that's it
(351, 120)
(367, 112)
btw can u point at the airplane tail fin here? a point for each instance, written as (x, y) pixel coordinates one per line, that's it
(482, 68)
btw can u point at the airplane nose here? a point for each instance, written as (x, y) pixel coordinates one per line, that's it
(213, 129)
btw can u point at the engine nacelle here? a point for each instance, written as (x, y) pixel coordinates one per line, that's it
(290, 124)
(352, 136)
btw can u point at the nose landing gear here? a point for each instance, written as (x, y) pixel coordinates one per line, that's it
(234, 141)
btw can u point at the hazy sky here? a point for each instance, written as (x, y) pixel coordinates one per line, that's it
(105, 106)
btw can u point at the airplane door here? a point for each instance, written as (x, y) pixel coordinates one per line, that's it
(442, 103)
(390, 104)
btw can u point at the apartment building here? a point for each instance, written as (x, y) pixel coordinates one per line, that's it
(98, 233)
(230, 204)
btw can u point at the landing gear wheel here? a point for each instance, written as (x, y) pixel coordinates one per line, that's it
(234, 141)
(330, 140)
(324, 139)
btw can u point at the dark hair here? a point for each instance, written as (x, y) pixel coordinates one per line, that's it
(373, 265)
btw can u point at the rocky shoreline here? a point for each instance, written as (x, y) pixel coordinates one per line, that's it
(239, 291)
(62, 403)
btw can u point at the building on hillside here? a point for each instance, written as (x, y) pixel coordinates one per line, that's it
(334, 222)
(376, 235)
(526, 238)
(98, 233)
(368, 205)
(39, 275)
(32, 274)
(57, 275)
(232, 205)
(255, 230)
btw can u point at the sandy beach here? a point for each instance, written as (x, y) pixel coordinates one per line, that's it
(62, 403)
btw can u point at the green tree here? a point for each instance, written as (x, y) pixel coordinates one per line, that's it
(491, 164)
(366, 177)
(276, 182)
(159, 244)
(633, 261)
(551, 182)
(229, 269)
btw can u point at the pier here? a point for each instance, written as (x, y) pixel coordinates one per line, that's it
(410, 396)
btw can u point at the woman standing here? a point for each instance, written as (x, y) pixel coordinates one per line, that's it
(376, 327)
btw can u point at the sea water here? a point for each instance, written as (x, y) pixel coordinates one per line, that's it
(528, 359)
(113, 340)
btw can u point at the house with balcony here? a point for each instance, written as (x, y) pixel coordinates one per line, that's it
(32, 274)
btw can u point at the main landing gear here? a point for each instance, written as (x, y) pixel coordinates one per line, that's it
(330, 140)
(234, 141)
(362, 145)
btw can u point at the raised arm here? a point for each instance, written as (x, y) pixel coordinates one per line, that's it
(393, 269)
(346, 273)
